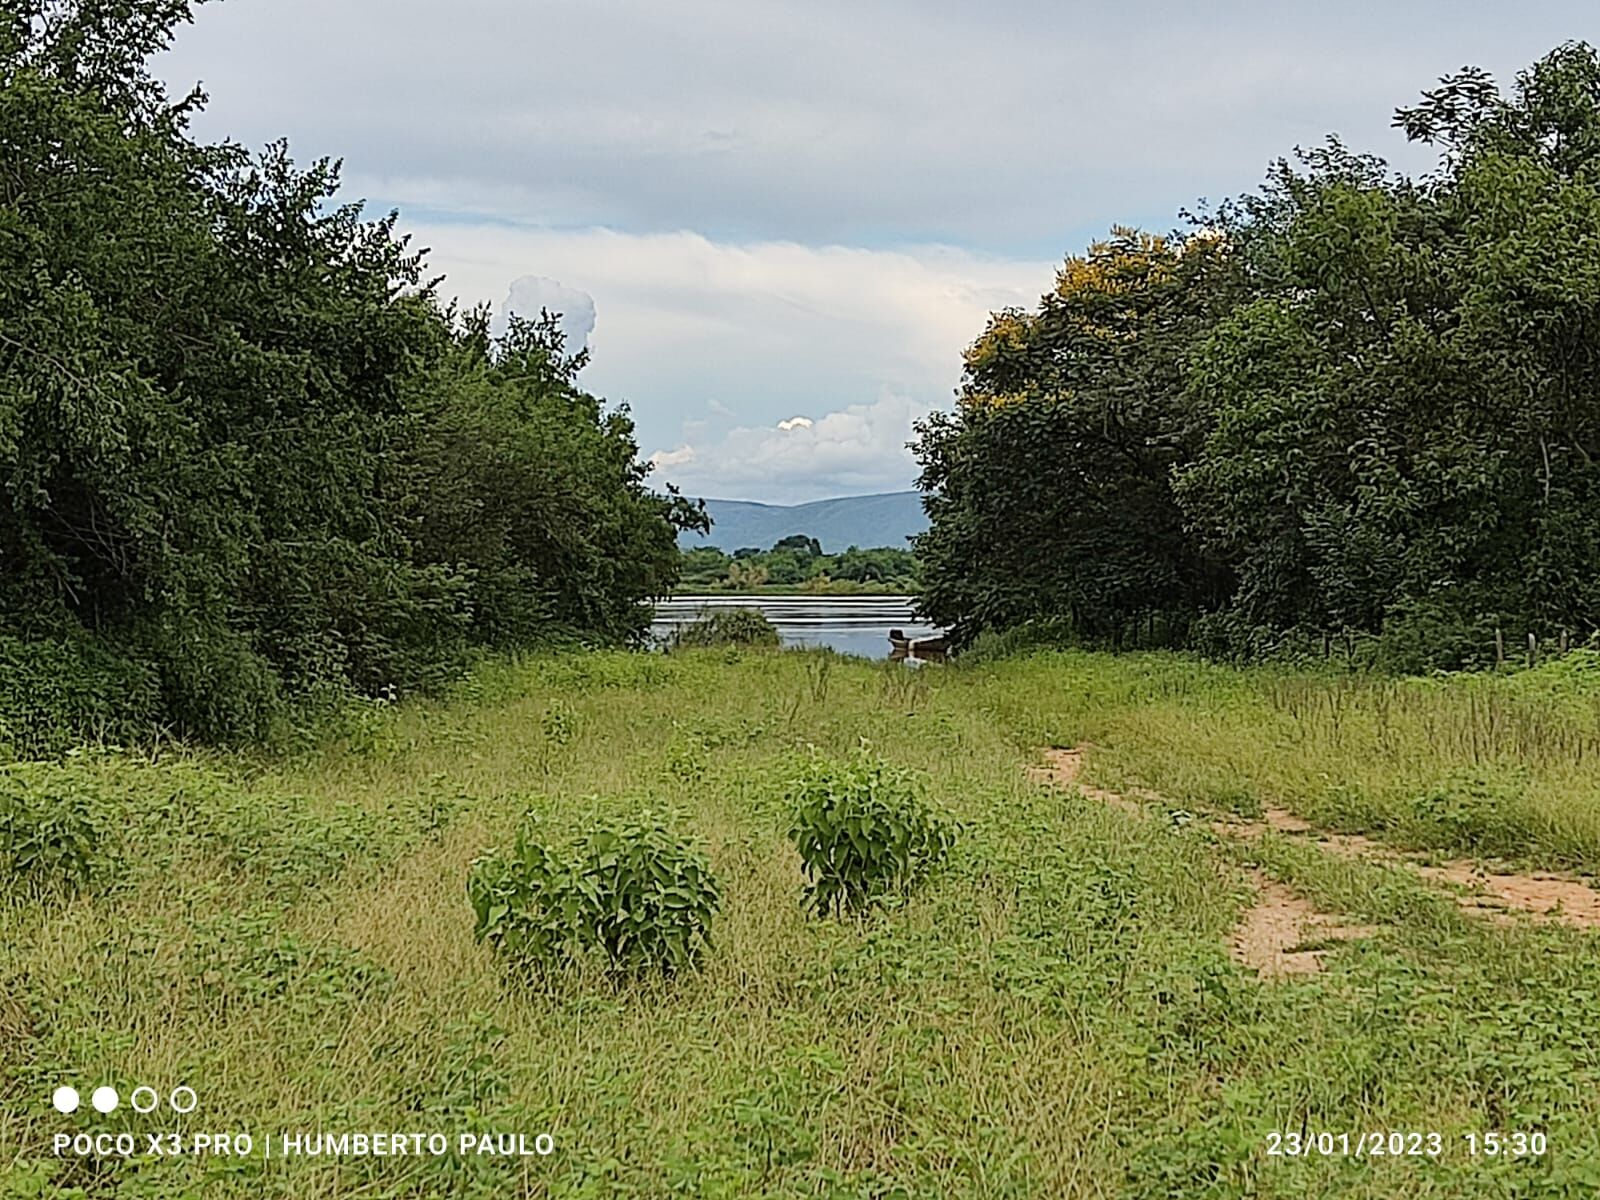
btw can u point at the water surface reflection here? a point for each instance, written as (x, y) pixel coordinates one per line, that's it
(849, 624)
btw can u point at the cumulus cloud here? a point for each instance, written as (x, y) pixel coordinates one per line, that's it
(673, 458)
(531, 294)
(806, 206)
(705, 338)
(859, 448)
(869, 181)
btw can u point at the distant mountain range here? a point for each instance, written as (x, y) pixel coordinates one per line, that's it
(869, 522)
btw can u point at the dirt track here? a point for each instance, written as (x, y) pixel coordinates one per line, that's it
(1284, 934)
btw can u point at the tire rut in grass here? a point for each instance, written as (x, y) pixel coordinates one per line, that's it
(1061, 768)
(1568, 899)
(1496, 894)
(1281, 934)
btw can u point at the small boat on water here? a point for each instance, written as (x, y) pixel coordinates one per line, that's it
(920, 646)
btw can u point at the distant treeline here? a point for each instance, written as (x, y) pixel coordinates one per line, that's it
(1353, 409)
(797, 563)
(245, 454)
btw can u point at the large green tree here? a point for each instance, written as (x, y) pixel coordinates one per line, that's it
(1403, 423)
(243, 451)
(1049, 486)
(1354, 404)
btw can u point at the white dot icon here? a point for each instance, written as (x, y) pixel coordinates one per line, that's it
(65, 1099)
(104, 1099)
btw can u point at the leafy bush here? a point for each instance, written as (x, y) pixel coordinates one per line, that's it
(634, 890)
(686, 756)
(1475, 812)
(864, 829)
(246, 958)
(728, 627)
(214, 685)
(1432, 633)
(992, 645)
(57, 693)
(51, 833)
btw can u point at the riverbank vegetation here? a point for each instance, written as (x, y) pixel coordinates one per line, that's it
(726, 627)
(250, 460)
(1352, 408)
(1057, 1010)
(798, 565)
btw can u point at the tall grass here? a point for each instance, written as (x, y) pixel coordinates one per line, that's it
(1053, 1014)
(1519, 752)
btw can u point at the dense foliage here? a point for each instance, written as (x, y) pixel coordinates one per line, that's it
(798, 564)
(244, 453)
(50, 833)
(635, 891)
(1353, 405)
(864, 829)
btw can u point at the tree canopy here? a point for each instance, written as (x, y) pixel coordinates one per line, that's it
(244, 450)
(1352, 403)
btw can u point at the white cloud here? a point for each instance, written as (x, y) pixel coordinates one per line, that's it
(861, 448)
(825, 149)
(531, 294)
(707, 339)
(795, 423)
(673, 458)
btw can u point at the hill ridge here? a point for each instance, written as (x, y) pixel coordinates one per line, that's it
(869, 521)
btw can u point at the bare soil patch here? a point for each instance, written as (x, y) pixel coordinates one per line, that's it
(1283, 934)
(1563, 898)
(1549, 895)
(1062, 768)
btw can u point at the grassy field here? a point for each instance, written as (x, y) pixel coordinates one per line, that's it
(1055, 1014)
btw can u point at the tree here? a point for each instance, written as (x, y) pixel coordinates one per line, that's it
(236, 427)
(799, 543)
(1403, 428)
(1352, 403)
(1049, 487)
(526, 480)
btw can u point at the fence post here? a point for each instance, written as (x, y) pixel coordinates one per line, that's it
(1499, 647)
(1533, 651)
(1563, 643)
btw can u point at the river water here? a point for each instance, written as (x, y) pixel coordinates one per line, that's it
(849, 624)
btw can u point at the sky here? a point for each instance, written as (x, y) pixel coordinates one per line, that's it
(775, 224)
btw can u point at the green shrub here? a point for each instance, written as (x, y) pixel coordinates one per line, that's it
(728, 627)
(245, 957)
(864, 829)
(51, 833)
(57, 693)
(993, 645)
(1450, 632)
(214, 686)
(633, 890)
(1474, 812)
